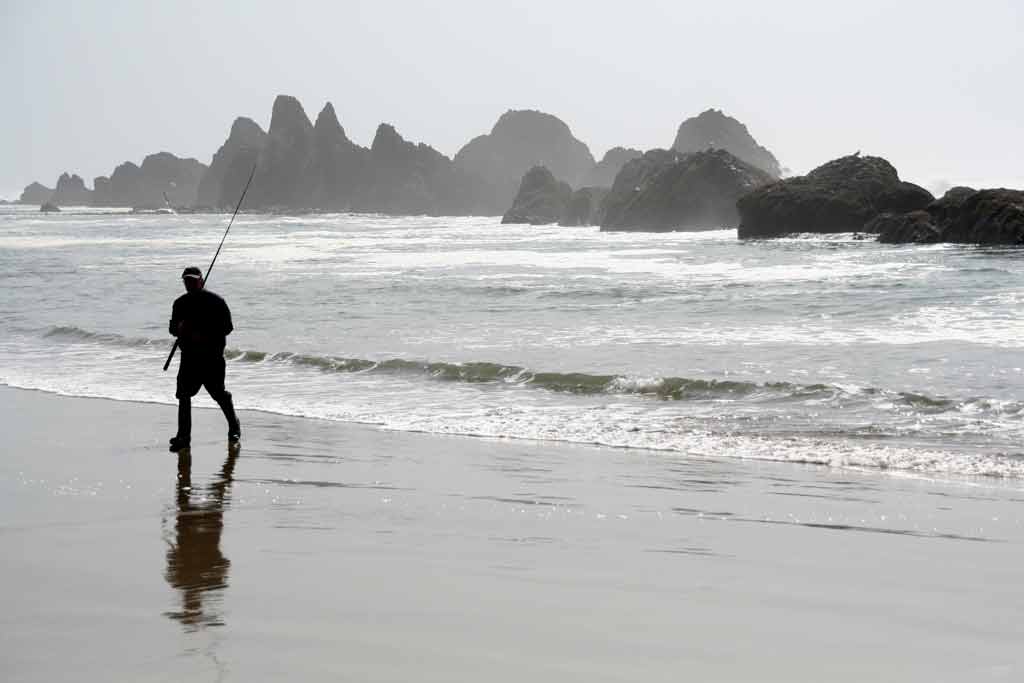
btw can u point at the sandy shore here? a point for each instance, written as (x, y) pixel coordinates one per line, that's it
(328, 551)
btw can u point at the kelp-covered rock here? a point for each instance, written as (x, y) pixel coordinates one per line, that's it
(520, 140)
(840, 196)
(585, 207)
(962, 215)
(541, 199)
(665, 190)
(714, 130)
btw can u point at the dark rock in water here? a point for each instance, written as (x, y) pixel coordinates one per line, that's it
(519, 141)
(162, 178)
(714, 130)
(542, 199)
(49, 207)
(914, 226)
(339, 169)
(840, 196)
(35, 193)
(71, 191)
(962, 215)
(280, 172)
(586, 207)
(408, 178)
(603, 173)
(665, 190)
(246, 137)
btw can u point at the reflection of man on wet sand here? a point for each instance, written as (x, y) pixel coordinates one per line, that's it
(195, 564)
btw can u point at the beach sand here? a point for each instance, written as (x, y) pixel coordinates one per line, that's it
(329, 551)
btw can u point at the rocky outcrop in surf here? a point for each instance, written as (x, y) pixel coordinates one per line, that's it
(71, 191)
(35, 193)
(161, 178)
(603, 173)
(666, 190)
(840, 196)
(585, 207)
(245, 141)
(712, 129)
(519, 141)
(541, 199)
(963, 215)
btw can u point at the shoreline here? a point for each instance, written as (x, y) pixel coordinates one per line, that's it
(983, 480)
(332, 549)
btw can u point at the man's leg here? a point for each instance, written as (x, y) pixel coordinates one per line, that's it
(214, 382)
(188, 386)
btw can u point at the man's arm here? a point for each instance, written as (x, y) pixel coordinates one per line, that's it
(226, 321)
(175, 321)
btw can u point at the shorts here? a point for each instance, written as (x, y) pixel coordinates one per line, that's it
(199, 370)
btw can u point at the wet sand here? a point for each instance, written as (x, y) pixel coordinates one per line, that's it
(342, 552)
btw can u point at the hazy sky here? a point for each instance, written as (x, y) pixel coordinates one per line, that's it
(935, 87)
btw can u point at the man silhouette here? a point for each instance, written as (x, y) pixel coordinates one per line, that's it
(201, 321)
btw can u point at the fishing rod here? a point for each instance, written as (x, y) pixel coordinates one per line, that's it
(174, 348)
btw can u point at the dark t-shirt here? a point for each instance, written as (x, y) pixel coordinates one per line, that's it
(207, 321)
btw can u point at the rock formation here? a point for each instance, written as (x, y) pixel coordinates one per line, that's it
(339, 169)
(408, 178)
(144, 186)
(519, 141)
(665, 190)
(714, 130)
(71, 191)
(603, 173)
(49, 207)
(35, 193)
(541, 199)
(586, 207)
(962, 215)
(247, 139)
(281, 167)
(840, 196)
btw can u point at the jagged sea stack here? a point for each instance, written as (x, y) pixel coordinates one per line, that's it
(278, 183)
(246, 139)
(840, 196)
(339, 169)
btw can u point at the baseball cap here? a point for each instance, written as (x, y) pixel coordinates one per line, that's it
(191, 271)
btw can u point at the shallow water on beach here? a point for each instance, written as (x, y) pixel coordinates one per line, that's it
(823, 350)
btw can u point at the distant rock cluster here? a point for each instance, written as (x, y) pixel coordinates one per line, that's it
(161, 178)
(307, 166)
(530, 168)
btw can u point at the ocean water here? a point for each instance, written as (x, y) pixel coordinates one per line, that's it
(827, 350)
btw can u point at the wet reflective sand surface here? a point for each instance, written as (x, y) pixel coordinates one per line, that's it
(330, 551)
